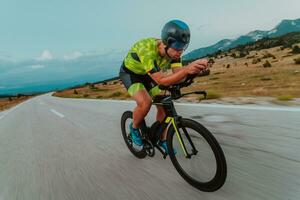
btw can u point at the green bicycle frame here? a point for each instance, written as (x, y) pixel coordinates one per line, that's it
(172, 120)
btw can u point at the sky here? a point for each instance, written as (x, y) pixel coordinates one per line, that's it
(45, 30)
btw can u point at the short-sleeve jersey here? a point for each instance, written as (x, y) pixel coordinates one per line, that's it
(144, 57)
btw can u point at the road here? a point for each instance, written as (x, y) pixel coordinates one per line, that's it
(55, 148)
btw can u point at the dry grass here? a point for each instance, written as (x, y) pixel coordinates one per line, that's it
(111, 90)
(6, 103)
(281, 79)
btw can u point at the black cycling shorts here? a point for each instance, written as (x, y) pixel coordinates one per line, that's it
(135, 82)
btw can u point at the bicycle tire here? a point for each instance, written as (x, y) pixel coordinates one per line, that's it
(137, 153)
(221, 167)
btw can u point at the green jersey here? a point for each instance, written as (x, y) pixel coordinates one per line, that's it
(144, 57)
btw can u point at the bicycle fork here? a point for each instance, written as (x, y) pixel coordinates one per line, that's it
(174, 121)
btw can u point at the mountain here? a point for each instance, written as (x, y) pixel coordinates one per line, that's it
(284, 27)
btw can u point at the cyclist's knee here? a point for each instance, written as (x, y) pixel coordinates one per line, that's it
(145, 104)
(143, 100)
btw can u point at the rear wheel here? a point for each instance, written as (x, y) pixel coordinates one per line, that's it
(205, 168)
(138, 151)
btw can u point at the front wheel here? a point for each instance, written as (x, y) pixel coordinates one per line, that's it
(203, 163)
(126, 119)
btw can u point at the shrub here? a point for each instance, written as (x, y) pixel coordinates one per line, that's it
(285, 98)
(86, 95)
(268, 55)
(204, 73)
(75, 91)
(211, 61)
(296, 49)
(211, 95)
(297, 61)
(266, 78)
(243, 54)
(267, 64)
(92, 86)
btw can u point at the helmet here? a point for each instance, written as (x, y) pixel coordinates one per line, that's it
(176, 34)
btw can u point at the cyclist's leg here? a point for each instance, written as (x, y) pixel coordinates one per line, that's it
(134, 84)
(143, 101)
(160, 116)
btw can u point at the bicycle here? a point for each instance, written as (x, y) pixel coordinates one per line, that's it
(191, 137)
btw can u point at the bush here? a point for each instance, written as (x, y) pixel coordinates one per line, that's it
(297, 61)
(212, 95)
(204, 73)
(92, 86)
(285, 98)
(267, 64)
(296, 49)
(75, 91)
(86, 95)
(268, 55)
(256, 60)
(211, 61)
(243, 54)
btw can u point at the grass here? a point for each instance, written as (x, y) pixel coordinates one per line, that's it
(116, 94)
(211, 95)
(6, 103)
(285, 98)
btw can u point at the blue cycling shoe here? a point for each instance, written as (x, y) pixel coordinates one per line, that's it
(163, 144)
(135, 135)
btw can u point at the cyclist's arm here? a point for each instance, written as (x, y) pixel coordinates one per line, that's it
(177, 69)
(166, 80)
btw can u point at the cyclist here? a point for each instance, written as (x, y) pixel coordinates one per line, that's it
(141, 72)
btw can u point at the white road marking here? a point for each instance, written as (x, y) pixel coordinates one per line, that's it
(57, 113)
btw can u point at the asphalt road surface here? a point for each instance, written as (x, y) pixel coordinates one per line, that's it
(55, 148)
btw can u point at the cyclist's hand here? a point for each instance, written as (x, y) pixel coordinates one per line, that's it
(202, 62)
(197, 66)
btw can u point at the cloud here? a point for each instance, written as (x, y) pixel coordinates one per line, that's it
(73, 55)
(46, 55)
(36, 66)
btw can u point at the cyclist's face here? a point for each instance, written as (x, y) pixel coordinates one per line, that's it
(175, 53)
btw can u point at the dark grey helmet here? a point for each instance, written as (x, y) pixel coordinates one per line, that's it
(176, 34)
